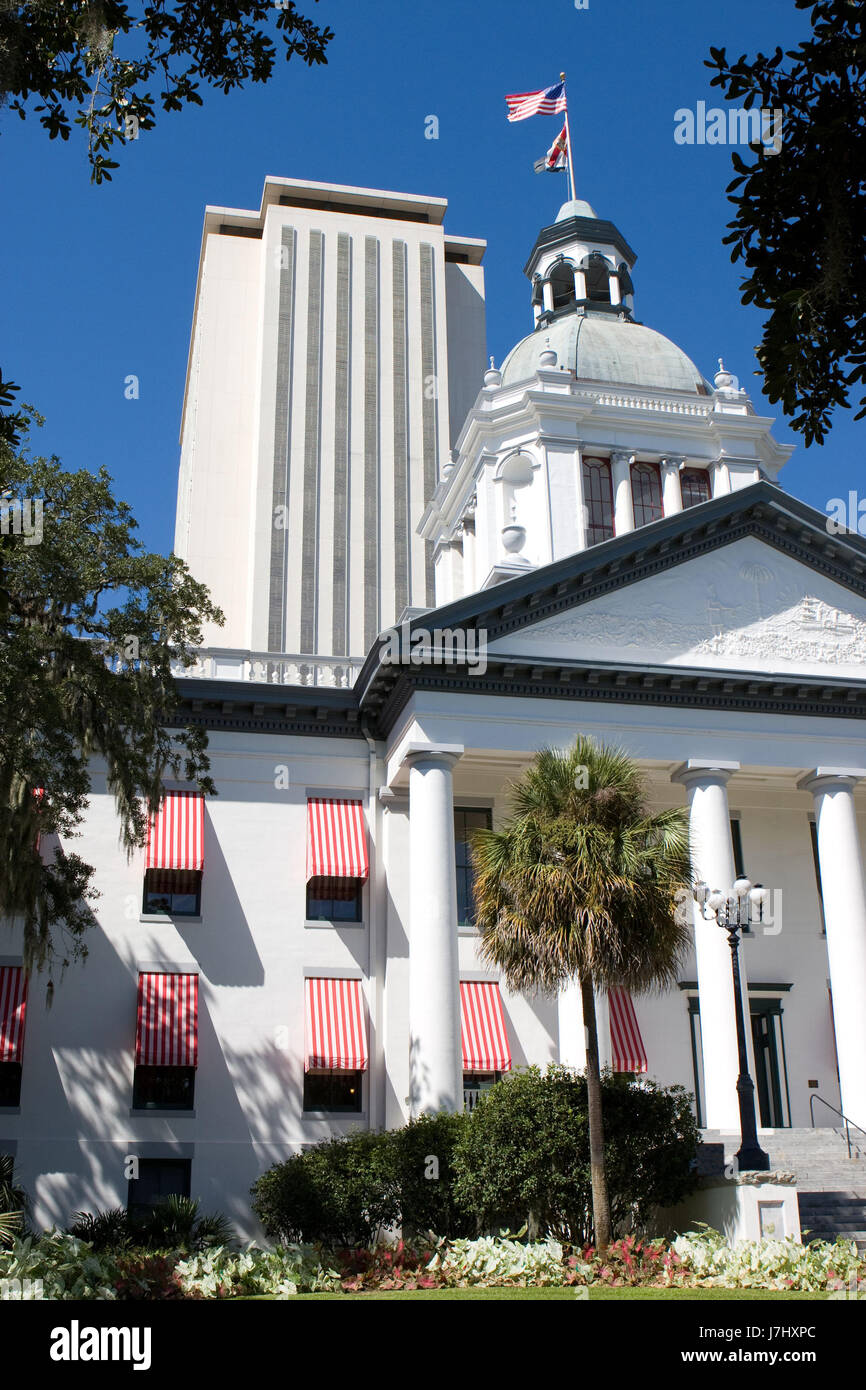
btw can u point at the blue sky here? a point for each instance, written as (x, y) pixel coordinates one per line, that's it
(100, 281)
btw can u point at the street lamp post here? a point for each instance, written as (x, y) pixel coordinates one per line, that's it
(734, 910)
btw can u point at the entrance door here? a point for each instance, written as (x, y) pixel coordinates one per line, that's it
(769, 1080)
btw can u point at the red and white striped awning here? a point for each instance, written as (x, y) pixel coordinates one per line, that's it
(482, 1027)
(629, 1053)
(336, 839)
(13, 1007)
(175, 836)
(167, 1033)
(336, 1026)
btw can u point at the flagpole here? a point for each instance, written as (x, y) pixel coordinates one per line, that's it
(568, 138)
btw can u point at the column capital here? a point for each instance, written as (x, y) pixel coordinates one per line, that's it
(672, 460)
(704, 770)
(819, 777)
(622, 456)
(447, 754)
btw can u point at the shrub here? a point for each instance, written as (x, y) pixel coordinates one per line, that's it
(222, 1273)
(171, 1225)
(141, 1275)
(67, 1267)
(523, 1158)
(342, 1193)
(13, 1202)
(428, 1201)
(503, 1260)
(103, 1230)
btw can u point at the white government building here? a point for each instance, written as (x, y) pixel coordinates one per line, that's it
(595, 537)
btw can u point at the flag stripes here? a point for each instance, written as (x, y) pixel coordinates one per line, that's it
(336, 1027)
(175, 835)
(336, 839)
(482, 1027)
(547, 102)
(629, 1053)
(167, 1031)
(13, 1007)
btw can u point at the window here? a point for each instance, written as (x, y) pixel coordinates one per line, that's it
(10, 1083)
(737, 846)
(176, 892)
(465, 821)
(334, 900)
(695, 486)
(475, 1083)
(562, 284)
(337, 1091)
(816, 862)
(598, 499)
(597, 273)
(163, 1088)
(157, 1179)
(646, 491)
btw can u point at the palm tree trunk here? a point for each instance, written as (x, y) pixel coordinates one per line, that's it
(600, 1201)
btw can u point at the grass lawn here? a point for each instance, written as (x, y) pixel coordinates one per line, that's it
(567, 1295)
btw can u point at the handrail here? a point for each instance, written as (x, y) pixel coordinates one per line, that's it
(842, 1116)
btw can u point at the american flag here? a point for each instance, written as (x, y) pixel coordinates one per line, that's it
(545, 103)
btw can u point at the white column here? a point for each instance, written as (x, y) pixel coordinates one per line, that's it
(572, 1039)
(713, 861)
(623, 512)
(579, 285)
(435, 1058)
(547, 295)
(672, 493)
(844, 895)
(721, 478)
(602, 1027)
(613, 281)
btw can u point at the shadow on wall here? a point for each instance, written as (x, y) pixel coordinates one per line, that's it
(222, 942)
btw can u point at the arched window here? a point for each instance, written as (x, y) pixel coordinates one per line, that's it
(646, 491)
(695, 484)
(562, 284)
(597, 273)
(598, 497)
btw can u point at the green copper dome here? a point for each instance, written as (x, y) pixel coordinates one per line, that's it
(601, 348)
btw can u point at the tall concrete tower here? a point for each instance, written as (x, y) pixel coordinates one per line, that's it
(337, 344)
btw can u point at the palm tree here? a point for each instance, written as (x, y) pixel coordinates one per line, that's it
(13, 1202)
(583, 882)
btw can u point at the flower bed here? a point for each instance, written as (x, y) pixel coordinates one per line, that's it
(69, 1268)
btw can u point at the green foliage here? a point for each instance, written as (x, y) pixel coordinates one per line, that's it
(800, 221)
(705, 1259)
(583, 880)
(342, 1192)
(80, 678)
(93, 62)
(281, 1273)
(174, 1224)
(428, 1201)
(67, 1267)
(13, 1202)
(524, 1156)
(142, 1276)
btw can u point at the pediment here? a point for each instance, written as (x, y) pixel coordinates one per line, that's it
(745, 606)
